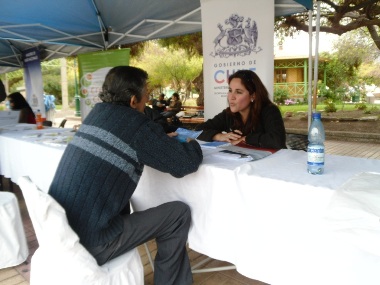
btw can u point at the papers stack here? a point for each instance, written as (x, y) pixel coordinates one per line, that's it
(241, 152)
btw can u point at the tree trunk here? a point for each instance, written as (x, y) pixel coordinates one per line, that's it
(65, 92)
(198, 83)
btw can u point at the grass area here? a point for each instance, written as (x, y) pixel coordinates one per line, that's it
(284, 108)
(321, 107)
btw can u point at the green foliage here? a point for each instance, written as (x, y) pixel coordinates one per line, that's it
(370, 72)
(15, 80)
(325, 92)
(342, 94)
(361, 106)
(338, 73)
(190, 43)
(280, 95)
(169, 68)
(354, 48)
(368, 111)
(51, 78)
(330, 106)
(304, 108)
(136, 49)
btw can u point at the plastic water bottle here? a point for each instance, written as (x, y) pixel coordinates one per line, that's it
(39, 120)
(316, 147)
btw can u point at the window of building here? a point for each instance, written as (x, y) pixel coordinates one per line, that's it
(280, 75)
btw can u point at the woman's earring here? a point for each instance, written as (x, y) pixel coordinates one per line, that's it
(251, 99)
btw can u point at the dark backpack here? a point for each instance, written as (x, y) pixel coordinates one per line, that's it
(176, 121)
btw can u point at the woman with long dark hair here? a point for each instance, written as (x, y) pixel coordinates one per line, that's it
(251, 116)
(17, 102)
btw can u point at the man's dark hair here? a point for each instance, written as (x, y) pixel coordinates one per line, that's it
(175, 95)
(123, 82)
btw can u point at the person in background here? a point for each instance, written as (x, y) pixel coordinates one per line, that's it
(17, 102)
(174, 107)
(251, 117)
(49, 106)
(159, 104)
(156, 117)
(100, 170)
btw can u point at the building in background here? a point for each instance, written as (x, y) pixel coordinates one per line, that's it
(291, 63)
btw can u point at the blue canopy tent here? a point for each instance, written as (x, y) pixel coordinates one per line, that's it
(62, 28)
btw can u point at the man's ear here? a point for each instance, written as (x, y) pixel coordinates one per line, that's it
(133, 102)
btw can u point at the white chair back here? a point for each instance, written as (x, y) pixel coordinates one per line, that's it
(60, 258)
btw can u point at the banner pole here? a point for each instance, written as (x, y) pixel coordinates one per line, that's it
(76, 97)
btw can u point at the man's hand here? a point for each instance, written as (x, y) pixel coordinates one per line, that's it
(172, 134)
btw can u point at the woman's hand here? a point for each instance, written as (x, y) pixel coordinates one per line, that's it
(235, 142)
(233, 137)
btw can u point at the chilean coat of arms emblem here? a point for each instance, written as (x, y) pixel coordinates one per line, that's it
(236, 40)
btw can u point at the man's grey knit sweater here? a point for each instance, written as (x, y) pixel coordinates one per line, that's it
(102, 165)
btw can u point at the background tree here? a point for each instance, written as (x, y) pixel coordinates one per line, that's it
(15, 80)
(149, 60)
(192, 44)
(357, 23)
(336, 17)
(51, 77)
(168, 67)
(342, 64)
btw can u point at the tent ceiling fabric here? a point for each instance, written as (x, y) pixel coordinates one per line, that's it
(63, 28)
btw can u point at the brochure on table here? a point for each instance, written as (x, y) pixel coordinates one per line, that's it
(241, 152)
(184, 134)
(9, 118)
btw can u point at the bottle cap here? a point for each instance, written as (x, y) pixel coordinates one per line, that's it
(316, 115)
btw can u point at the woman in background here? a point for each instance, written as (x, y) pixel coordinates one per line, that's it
(17, 102)
(251, 116)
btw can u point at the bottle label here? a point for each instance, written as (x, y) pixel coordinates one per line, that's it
(316, 155)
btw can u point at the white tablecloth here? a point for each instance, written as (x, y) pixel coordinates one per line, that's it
(268, 217)
(35, 153)
(13, 246)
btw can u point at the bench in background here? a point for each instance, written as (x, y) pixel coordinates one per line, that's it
(193, 116)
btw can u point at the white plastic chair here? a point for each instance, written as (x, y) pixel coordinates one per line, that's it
(60, 258)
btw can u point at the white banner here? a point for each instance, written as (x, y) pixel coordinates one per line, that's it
(33, 80)
(236, 35)
(93, 68)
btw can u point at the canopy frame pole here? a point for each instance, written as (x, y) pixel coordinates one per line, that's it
(316, 58)
(310, 69)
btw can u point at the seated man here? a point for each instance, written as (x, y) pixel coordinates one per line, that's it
(174, 107)
(159, 104)
(100, 170)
